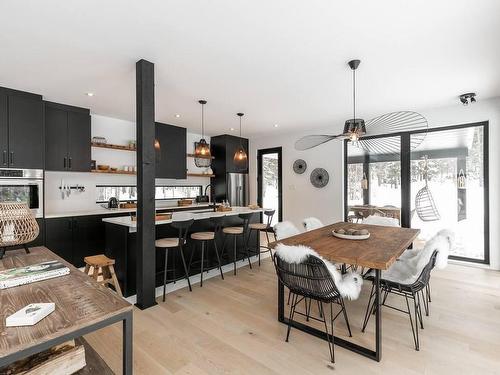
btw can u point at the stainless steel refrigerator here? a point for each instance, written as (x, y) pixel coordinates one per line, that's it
(237, 189)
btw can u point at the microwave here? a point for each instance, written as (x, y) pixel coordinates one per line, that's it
(23, 185)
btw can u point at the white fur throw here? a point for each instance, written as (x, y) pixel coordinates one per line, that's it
(311, 223)
(381, 220)
(285, 229)
(349, 285)
(412, 262)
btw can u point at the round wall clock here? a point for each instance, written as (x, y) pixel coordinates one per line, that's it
(319, 177)
(299, 166)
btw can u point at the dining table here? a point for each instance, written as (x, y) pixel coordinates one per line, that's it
(378, 252)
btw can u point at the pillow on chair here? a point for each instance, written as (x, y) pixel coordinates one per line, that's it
(311, 223)
(348, 285)
(285, 229)
(381, 220)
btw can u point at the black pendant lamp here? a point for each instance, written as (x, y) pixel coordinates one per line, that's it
(202, 149)
(240, 156)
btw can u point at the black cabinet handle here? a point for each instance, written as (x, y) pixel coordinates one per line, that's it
(12, 157)
(4, 157)
(64, 163)
(69, 163)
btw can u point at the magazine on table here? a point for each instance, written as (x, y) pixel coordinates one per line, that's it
(30, 274)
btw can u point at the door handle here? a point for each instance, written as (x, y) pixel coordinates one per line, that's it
(69, 163)
(12, 157)
(64, 162)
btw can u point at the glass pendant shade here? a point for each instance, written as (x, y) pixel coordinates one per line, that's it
(202, 149)
(240, 156)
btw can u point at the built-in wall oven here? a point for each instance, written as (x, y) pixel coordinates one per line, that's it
(23, 185)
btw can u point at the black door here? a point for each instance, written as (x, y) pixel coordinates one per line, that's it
(270, 181)
(171, 157)
(4, 133)
(25, 132)
(59, 237)
(56, 139)
(78, 142)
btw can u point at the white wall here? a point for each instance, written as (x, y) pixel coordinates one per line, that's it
(117, 132)
(301, 199)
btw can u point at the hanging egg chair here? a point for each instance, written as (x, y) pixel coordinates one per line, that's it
(424, 202)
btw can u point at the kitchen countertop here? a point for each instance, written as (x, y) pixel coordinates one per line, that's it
(111, 211)
(132, 225)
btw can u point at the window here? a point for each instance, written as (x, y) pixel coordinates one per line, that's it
(129, 193)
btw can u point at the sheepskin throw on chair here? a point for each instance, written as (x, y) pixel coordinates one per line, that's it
(18, 226)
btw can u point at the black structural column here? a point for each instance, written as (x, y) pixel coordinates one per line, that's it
(145, 108)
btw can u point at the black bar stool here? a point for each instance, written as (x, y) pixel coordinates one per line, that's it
(239, 231)
(205, 237)
(257, 228)
(178, 243)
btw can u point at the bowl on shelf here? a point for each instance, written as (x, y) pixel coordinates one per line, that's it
(102, 167)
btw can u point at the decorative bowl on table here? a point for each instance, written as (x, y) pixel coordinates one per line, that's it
(351, 233)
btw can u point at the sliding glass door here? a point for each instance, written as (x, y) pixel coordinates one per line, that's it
(442, 184)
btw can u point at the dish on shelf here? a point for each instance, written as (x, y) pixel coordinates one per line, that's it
(102, 167)
(351, 234)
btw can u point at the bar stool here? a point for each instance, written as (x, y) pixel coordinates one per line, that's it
(175, 243)
(205, 237)
(236, 232)
(258, 227)
(102, 266)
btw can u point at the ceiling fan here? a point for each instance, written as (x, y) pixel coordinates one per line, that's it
(360, 133)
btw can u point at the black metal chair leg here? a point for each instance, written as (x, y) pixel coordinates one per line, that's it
(257, 243)
(369, 308)
(330, 342)
(428, 288)
(234, 255)
(165, 274)
(247, 249)
(218, 259)
(289, 294)
(26, 248)
(193, 250)
(426, 302)
(419, 309)
(290, 317)
(202, 261)
(181, 249)
(413, 328)
(345, 316)
(2, 252)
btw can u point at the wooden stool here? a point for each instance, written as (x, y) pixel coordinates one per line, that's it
(237, 232)
(102, 266)
(263, 227)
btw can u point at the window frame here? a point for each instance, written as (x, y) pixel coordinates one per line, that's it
(200, 191)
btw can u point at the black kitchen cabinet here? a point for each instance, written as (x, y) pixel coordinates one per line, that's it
(74, 238)
(59, 237)
(21, 129)
(67, 145)
(171, 157)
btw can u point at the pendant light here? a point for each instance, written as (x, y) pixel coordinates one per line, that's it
(240, 156)
(202, 149)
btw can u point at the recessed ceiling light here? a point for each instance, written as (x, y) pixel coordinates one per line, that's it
(177, 115)
(89, 93)
(232, 129)
(276, 125)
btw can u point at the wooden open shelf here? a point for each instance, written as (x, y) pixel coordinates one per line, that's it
(200, 157)
(113, 172)
(200, 175)
(111, 146)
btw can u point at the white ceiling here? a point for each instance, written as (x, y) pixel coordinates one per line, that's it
(280, 61)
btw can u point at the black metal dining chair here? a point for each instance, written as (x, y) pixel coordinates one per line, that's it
(311, 280)
(414, 291)
(175, 243)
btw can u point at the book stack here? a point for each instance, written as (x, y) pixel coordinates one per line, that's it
(30, 274)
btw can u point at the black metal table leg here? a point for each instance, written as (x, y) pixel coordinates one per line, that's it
(128, 365)
(378, 318)
(281, 302)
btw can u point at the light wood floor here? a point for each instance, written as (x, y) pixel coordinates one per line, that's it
(230, 327)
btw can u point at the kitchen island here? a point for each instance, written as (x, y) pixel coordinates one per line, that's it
(121, 243)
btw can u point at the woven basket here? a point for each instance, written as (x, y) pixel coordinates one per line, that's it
(18, 226)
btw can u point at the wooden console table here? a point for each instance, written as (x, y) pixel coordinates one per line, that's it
(82, 306)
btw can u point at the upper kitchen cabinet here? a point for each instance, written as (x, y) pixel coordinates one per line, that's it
(171, 156)
(21, 129)
(223, 149)
(67, 138)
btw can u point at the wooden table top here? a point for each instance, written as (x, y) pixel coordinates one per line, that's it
(379, 251)
(80, 302)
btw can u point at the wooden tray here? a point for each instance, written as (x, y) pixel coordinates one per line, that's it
(158, 217)
(184, 202)
(224, 209)
(351, 237)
